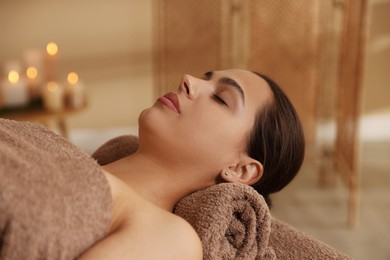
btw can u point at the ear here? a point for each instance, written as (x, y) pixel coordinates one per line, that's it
(247, 171)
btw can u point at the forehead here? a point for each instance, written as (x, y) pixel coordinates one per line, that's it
(256, 89)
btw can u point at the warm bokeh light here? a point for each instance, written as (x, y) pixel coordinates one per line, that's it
(73, 78)
(13, 76)
(32, 72)
(52, 86)
(52, 48)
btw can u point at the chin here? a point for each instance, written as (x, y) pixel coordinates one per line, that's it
(146, 124)
(152, 132)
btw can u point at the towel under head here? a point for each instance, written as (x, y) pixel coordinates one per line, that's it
(232, 220)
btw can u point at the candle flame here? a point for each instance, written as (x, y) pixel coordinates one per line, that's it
(32, 72)
(52, 48)
(52, 86)
(13, 76)
(73, 78)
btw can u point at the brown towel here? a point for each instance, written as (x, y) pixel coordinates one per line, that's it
(291, 243)
(232, 220)
(54, 200)
(115, 149)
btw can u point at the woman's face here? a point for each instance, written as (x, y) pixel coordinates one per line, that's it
(206, 123)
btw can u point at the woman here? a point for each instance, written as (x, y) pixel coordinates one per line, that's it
(228, 126)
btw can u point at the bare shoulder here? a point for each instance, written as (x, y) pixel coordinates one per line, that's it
(140, 230)
(162, 236)
(185, 239)
(170, 235)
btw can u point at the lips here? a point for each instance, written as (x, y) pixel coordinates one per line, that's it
(171, 101)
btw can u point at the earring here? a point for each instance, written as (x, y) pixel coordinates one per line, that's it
(226, 173)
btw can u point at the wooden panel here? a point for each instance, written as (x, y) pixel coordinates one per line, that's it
(347, 151)
(285, 44)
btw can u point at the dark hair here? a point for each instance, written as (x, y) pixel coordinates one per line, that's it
(277, 141)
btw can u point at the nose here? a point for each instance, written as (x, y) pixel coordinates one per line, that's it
(189, 86)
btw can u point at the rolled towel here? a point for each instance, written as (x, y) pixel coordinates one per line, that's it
(232, 220)
(116, 148)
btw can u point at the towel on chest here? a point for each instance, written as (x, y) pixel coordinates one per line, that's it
(54, 200)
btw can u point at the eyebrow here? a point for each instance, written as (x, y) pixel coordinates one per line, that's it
(228, 81)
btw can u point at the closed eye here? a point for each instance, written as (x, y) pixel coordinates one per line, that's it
(219, 100)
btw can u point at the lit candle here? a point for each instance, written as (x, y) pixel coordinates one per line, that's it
(75, 91)
(14, 89)
(51, 61)
(33, 60)
(53, 96)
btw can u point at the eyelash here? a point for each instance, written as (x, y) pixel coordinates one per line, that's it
(219, 100)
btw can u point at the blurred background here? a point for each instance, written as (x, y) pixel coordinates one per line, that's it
(113, 59)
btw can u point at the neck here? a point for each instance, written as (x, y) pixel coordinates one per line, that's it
(156, 181)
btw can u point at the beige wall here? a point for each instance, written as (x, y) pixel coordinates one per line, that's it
(376, 98)
(377, 73)
(107, 42)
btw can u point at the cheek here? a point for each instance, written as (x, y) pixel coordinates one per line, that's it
(213, 140)
(208, 127)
